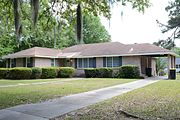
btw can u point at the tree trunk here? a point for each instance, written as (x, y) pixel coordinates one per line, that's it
(79, 25)
(18, 26)
(35, 11)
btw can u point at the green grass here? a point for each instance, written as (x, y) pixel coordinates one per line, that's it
(16, 82)
(178, 76)
(159, 100)
(11, 96)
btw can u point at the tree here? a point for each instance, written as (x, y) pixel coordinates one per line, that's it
(35, 20)
(173, 23)
(65, 8)
(167, 44)
(94, 31)
(176, 50)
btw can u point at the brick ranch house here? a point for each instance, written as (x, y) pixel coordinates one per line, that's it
(110, 54)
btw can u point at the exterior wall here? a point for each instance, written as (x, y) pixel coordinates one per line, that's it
(132, 60)
(19, 62)
(79, 73)
(153, 66)
(42, 62)
(99, 62)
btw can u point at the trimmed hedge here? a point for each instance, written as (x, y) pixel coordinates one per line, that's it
(126, 71)
(98, 72)
(66, 72)
(20, 73)
(49, 72)
(129, 71)
(104, 72)
(3, 73)
(36, 73)
(90, 72)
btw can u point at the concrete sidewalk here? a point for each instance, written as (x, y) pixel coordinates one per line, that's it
(60, 106)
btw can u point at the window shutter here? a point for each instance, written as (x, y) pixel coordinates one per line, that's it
(75, 62)
(31, 62)
(14, 65)
(94, 62)
(8, 63)
(104, 61)
(120, 60)
(24, 62)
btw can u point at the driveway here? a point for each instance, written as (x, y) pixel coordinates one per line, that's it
(60, 106)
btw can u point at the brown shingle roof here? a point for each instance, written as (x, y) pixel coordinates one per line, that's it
(93, 50)
(117, 49)
(35, 52)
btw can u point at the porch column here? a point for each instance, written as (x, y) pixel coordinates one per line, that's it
(171, 63)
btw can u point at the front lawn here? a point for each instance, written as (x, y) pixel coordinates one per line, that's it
(11, 96)
(18, 82)
(160, 101)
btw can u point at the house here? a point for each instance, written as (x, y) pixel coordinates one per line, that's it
(110, 54)
(178, 64)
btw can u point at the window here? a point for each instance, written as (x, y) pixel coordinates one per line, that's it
(109, 62)
(52, 62)
(29, 62)
(13, 63)
(116, 62)
(80, 65)
(92, 62)
(112, 61)
(177, 66)
(86, 63)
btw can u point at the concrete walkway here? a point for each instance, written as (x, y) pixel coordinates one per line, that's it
(60, 106)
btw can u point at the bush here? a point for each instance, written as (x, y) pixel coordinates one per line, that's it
(98, 72)
(19, 73)
(49, 72)
(129, 71)
(3, 73)
(90, 72)
(66, 72)
(104, 72)
(36, 73)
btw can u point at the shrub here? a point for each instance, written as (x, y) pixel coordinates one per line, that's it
(3, 73)
(98, 72)
(20, 73)
(129, 71)
(104, 72)
(90, 72)
(66, 72)
(36, 73)
(49, 72)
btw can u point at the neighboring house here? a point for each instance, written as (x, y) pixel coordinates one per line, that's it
(178, 64)
(110, 54)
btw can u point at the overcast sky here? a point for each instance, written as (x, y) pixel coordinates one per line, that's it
(135, 27)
